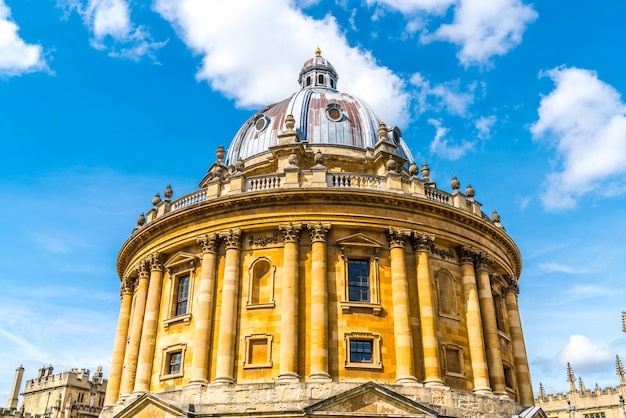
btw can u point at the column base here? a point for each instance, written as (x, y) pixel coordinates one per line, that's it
(486, 390)
(223, 381)
(199, 383)
(319, 378)
(434, 383)
(407, 380)
(285, 378)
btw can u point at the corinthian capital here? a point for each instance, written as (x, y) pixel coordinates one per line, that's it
(318, 231)
(232, 238)
(482, 262)
(422, 241)
(156, 261)
(208, 243)
(291, 232)
(466, 253)
(143, 268)
(397, 237)
(512, 285)
(127, 287)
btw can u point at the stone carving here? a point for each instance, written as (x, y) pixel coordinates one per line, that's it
(441, 252)
(422, 241)
(397, 237)
(208, 243)
(264, 240)
(155, 260)
(318, 231)
(127, 287)
(482, 262)
(291, 232)
(143, 268)
(232, 238)
(466, 254)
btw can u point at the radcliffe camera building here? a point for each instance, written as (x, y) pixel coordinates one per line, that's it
(318, 271)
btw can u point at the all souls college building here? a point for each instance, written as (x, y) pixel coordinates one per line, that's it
(318, 271)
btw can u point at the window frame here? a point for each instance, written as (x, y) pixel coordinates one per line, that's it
(248, 340)
(167, 353)
(376, 341)
(445, 348)
(180, 266)
(272, 282)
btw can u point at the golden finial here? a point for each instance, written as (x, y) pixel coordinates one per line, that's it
(318, 51)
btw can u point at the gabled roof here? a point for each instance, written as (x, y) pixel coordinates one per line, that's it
(152, 406)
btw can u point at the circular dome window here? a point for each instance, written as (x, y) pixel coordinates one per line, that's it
(261, 122)
(333, 112)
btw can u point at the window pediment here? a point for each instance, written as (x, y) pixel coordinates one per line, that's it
(181, 260)
(359, 240)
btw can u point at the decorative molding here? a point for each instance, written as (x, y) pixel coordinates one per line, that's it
(422, 241)
(156, 261)
(209, 243)
(232, 238)
(442, 253)
(127, 287)
(397, 237)
(263, 241)
(318, 231)
(143, 269)
(466, 254)
(482, 261)
(291, 232)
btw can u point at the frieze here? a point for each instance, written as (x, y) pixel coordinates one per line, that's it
(443, 253)
(263, 241)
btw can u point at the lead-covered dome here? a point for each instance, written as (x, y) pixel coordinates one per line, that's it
(323, 116)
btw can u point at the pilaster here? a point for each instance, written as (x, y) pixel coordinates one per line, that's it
(405, 372)
(203, 313)
(225, 365)
(319, 303)
(289, 313)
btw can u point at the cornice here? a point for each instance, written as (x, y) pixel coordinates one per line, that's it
(220, 208)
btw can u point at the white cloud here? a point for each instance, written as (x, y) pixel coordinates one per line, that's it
(561, 268)
(110, 20)
(482, 29)
(585, 291)
(583, 353)
(16, 56)
(584, 120)
(447, 96)
(258, 70)
(443, 146)
(484, 125)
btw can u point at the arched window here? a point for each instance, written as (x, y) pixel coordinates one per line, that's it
(446, 287)
(320, 79)
(308, 81)
(261, 291)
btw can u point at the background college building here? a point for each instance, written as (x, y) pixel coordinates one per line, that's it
(319, 270)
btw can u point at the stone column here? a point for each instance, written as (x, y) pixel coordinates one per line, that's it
(132, 349)
(150, 322)
(119, 346)
(405, 372)
(522, 372)
(203, 311)
(473, 321)
(319, 304)
(490, 326)
(227, 338)
(430, 343)
(289, 313)
(15, 389)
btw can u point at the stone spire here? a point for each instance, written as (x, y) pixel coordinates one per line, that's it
(542, 391)
(571, 378)
(581, 384)
(620, 371)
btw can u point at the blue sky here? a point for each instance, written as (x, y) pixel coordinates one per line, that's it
(105, 102)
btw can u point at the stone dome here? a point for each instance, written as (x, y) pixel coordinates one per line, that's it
(323, 116)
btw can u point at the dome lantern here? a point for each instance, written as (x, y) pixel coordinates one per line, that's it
(318, 72)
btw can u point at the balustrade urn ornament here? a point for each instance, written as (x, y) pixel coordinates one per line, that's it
(390, 165)
(413, 169)
(495, 216)
(220, 153)
(141, 220)
(318, 158)
(290, 122)
(455, 184)
(168, 192)
(425, 171)
(293, 159)
(382, 131)
(469, 192)
(156, 199)
(239, 165)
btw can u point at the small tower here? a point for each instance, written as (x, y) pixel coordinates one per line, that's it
(571, 378)
(15, 390)
(620, 371)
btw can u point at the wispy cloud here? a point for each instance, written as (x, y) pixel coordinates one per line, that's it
(446, 96)
(16, 56)
(586, 291)
(112, 28)
(584, 120)
(561, 268)
(481, 29)
(236, 66)
(443, 146)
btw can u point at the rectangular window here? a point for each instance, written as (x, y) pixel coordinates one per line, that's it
(361, 351)
(508, 377)
(358, 280)
(182, 295)
(258, 351)
(174, 362)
